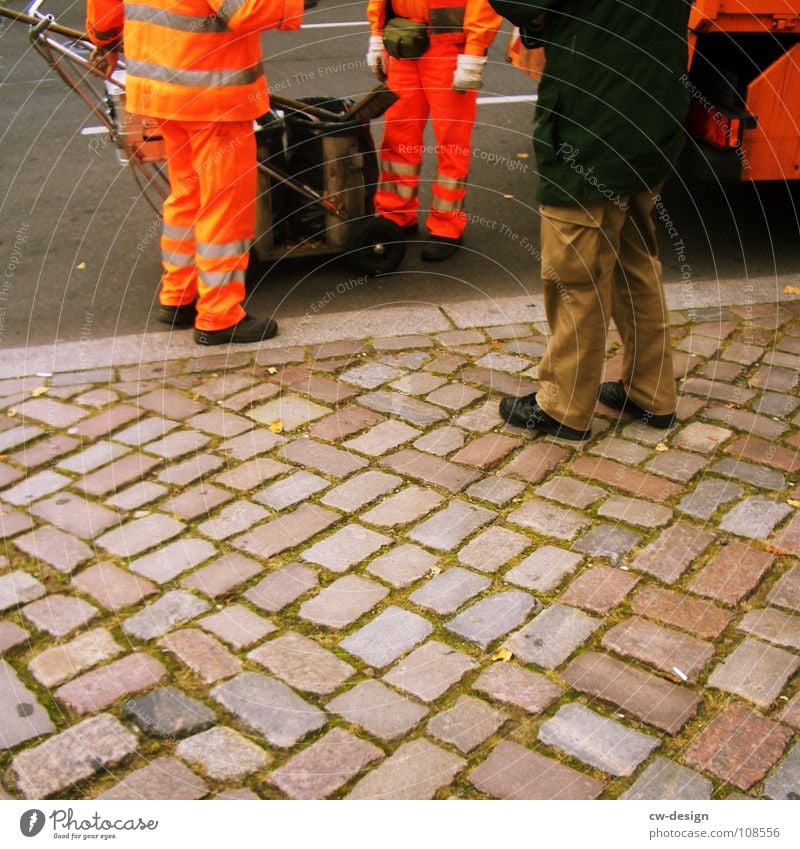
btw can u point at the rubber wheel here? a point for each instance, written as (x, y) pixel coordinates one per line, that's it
(376, 246)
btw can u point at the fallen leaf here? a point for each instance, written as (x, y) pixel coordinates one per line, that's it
(772, 549)
(503, 654)
(792, 502)
(272, 370)
(791, 290)
(276, 426)
(40, 390)
(523, 155)
(11, 413)
(81, 265)
(662, 447)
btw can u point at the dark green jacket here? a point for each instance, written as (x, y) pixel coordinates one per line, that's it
(609, 119)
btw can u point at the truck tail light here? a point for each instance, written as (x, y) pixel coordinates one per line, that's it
(717, 127)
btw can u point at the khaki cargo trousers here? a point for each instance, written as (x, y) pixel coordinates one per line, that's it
(599, 261)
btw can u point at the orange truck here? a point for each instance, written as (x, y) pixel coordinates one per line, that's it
(744, 78)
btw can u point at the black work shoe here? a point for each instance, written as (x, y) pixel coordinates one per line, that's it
(249, 329)
(182, 316)
(525, 412)
(613, 394)
(439, 249)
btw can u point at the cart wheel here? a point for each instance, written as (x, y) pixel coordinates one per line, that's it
(376, 246)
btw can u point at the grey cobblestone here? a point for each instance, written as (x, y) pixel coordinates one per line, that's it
(270, 708)
(492, 549)
(222, 754)
(343, 601)
(415, 771)
(157, 618)
(55, 665)
(446, 529)
(545, 569)
(72, 756)
(168, 712)
(430, 670)
(345, 548)
(325, 765)
(388, 636)
(446, 592)
(379, 710)
(21, 716)
(360, 490)
(467, 724)
(18, 588)
(302, 663)
(237, 625)
(551, 637)
(403, 565)
(168, 562)
(602, 743)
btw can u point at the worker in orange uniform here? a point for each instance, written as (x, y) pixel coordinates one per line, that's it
(196, 66)
(441, 82)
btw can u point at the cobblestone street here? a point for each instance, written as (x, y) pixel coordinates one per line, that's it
(329, 570)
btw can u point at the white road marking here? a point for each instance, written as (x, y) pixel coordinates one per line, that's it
(511, 98)
(93, 131)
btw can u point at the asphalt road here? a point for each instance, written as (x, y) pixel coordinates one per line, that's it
(78, 242)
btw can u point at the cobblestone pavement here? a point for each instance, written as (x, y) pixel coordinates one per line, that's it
(331, 571)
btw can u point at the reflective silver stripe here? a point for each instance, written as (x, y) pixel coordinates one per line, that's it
(450, 183)
(399, 168)
(222, 278)
(172, 20)
(177, 258)
(405, 192)
(446, 20)
(229, 8)
(182, 234)
(222, 249)
(447, 205)
(205, 79)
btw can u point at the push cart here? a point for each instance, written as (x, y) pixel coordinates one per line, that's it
(317, 166)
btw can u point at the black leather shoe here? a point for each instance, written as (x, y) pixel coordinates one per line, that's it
(182, 316)
(439, 249)
(525, 412)
(249, 329)
(613, 394)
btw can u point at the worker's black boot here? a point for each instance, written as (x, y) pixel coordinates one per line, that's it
(182, 316)
(439, 248)
(249, 329)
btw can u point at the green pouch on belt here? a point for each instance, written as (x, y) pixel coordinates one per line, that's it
(405, 39)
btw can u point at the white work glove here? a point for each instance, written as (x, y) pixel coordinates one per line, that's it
(377, 57)
(469, 72)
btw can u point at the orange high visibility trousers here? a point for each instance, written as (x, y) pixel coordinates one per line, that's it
(209, 218)
(424, 87)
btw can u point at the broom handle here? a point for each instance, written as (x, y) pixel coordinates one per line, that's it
(54, 27)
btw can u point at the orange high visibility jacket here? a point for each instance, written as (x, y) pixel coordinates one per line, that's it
(471, 23)
(192, 60)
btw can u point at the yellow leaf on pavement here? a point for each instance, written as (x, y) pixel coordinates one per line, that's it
(11, 413)
(276, 426)
(662, 447)
(792, 290)
(503, 654)
(40, 390)
(81, 265)
(792, 502)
